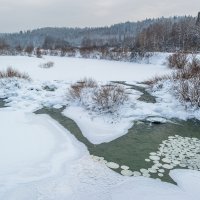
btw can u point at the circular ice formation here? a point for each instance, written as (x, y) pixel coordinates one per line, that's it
(136, 173)
(112, 165)
(166, 166)
(144, 171)
(176, 162)
(103, 161)
(158, 120)
(151, 170)
(153, 154)
(146, 175)
(155, 158)
(155, 167)
(166, 160)
(124, 167)
(95, 158)
(127, 172)
(158, 164)
(161, 170)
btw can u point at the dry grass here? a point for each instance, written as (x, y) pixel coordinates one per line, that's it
(11, 73)
(75, 89)
(156, 79)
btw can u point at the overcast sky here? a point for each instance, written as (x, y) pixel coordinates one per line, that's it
(16, 15)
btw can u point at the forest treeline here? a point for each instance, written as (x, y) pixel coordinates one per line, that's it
(151, 35)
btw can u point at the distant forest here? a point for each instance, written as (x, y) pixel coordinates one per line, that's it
(151, 35)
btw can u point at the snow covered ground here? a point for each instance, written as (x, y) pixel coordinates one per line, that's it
(40, 160)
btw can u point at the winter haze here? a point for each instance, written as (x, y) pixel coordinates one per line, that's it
(30, 14)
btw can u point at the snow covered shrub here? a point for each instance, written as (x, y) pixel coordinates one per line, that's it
(47, 65)
(76, 89)
(98, 98)
(184, 82)
(110, 97)
(187, 83)
(13, 73)
(177, 60)
(189, 90)
(188, 72)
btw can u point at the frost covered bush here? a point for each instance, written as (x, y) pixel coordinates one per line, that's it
(13, 73)
(190, 71)
(177, 60)
(110, 97)
(47, 65)
(187, 83)
(189, 90)
(89, 94)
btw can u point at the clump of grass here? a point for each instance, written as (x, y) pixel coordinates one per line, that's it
(47, 65)
(13, 73)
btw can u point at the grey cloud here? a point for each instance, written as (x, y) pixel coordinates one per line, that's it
(30, 14)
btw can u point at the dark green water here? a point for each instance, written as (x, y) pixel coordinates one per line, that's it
(133, 148)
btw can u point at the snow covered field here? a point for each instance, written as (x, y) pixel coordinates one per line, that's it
(40, 160)
(72, 69)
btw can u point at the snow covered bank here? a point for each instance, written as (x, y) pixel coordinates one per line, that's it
(98, 129)
(30, 96)
(72, 69)
(32, 147)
